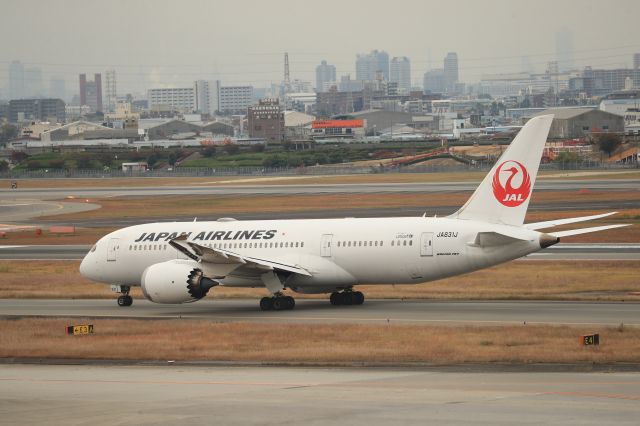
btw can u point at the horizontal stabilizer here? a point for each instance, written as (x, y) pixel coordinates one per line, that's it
(557, 222)
(569, 233)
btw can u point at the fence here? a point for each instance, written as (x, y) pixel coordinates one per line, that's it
(309, 171)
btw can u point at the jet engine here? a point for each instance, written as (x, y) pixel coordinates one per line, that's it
(175, 281)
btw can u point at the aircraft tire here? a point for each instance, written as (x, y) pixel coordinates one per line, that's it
(290, 301)
(266, 304)
(125, 300)
(358, 298)
(335, 298)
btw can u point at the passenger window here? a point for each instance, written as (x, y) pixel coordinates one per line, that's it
(391, 243)
(359, 243)
(404, 243)
(301, 244)
(297, 244)
(410, 242)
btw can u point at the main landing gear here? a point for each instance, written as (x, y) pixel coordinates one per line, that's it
(347, 298)
(125, 299)
(277, 303)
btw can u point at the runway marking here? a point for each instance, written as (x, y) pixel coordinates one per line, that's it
(595, 395)
(326, 319)
(160, 382)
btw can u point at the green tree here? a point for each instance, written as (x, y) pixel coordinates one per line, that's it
(8, 132)
(4, 166)
(209, 151)
(83, 161)
(18, 157)
(231, 149)
(608, 142)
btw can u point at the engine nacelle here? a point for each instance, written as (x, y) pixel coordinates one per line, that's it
(175, 281)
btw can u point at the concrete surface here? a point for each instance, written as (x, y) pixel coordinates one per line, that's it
(321, 311)
(170, 395)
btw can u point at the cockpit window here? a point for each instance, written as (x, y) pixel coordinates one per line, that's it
(95, 246)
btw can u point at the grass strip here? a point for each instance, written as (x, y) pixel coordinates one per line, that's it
(243, 342)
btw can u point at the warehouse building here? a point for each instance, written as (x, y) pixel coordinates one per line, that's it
(569, 123)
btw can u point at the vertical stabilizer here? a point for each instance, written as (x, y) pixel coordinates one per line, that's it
(504, 194)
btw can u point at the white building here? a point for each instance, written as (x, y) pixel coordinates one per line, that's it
(235, 99)
(207, 96)
(182, 99)
(110, 91)
(400, 73)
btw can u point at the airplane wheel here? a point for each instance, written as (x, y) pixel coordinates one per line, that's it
(266, 304)
(358, 298)
(279, 304)
(291, 302)
(125, 300)
(335, 298)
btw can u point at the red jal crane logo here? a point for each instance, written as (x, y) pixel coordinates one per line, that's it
(513, 172)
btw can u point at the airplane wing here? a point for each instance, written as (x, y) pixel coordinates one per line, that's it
(222, 262)
(552, 223)
(571, 232)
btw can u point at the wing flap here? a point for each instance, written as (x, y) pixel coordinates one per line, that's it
(222, 262)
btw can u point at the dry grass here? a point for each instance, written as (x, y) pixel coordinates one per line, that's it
(521, 280)
(203, 340)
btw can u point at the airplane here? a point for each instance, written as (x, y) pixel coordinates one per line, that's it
(178, 262)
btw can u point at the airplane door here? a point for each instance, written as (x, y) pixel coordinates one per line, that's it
(325, 245)
(112, 249)
(426, 244)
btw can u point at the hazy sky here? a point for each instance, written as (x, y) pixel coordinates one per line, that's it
(153, 43)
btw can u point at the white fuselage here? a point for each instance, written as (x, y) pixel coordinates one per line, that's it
(338, 253)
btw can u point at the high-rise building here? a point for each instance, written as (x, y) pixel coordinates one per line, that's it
(564, 49)
(91, 92)
(636, 61)
(325, 75)
(33, 83)
(451, 71)
(368, 64)
(37, 109)
(57, 88)
(110, 91)
(182, 99)
(235, 99)
(207, 96)
(434, 81)
(16, 80)
(400, 72)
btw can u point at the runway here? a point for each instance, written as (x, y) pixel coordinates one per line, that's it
(562, 251)
(425, 312)
(169, 395)
(310, 189)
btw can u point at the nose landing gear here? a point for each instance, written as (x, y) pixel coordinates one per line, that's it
(125, 299)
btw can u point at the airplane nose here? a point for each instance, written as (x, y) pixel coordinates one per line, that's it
(88, 267)
(84, 266)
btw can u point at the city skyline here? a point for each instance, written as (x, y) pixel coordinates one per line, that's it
(485, 42)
